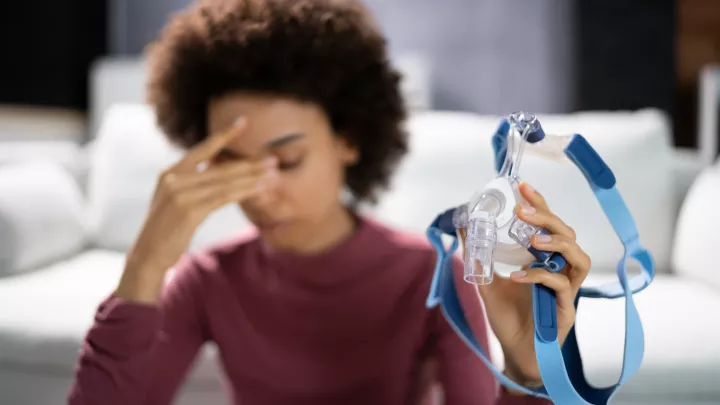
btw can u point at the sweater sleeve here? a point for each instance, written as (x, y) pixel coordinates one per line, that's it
(137, 354)
(464, 378)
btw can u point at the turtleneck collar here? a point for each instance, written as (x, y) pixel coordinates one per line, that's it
(343, 261)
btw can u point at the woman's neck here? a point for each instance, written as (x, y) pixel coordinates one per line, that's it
(337, 226)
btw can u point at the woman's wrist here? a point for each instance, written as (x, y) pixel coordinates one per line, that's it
(137, 288)
(141, 281)
(514, 375)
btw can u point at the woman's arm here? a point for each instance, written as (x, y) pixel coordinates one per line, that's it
(146, 334)
(137, 353)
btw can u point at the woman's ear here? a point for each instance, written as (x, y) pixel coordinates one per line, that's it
(349, 154)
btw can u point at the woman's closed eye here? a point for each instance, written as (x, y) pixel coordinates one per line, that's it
(285, 163)
(289, 164)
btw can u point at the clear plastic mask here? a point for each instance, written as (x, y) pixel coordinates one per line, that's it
(493, 231)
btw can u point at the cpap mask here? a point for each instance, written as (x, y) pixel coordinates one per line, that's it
(493, 231)
(495, 234)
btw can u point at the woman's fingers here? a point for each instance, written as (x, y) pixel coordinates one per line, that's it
(533, 197)
(557, 282)
(544, 219)
(578, 260)
(221, 193)
(207, 149)
(572, 252)
(537, 212)
(203, 198)
(228, 171)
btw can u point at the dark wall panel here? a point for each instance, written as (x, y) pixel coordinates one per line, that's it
(625, 52)
(47, 47)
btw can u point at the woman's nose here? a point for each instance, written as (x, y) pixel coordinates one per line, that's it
(265, 199)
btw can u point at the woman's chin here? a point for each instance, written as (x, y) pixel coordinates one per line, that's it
(275, 230)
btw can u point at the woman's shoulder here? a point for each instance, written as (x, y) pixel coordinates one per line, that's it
(410, 246)
(402, 243)
(405, 257)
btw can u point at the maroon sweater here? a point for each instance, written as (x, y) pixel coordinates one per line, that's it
(348, 326)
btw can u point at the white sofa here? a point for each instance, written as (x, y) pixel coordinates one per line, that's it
(62, 250)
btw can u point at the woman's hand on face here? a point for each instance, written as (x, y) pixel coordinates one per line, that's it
(508, 301)
(184, 196)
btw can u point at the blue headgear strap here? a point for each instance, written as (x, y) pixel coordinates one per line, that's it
(561, 368)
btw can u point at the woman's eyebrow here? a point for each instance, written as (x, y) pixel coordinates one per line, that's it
(273, 144)
(283, 140)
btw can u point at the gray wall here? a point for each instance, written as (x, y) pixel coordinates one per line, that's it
(488, 56)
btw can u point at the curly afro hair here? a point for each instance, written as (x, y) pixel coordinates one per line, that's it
(328, 52)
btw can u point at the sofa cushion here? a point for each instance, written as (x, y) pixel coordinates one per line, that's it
(67, 154)
(451, 157)
(682, 357)
(125, 162)
(41, 216)
(697, 229)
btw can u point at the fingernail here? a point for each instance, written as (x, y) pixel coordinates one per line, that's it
(530, 188)
(528, 210)
(518, 274)
(542, 238)
(240, 121)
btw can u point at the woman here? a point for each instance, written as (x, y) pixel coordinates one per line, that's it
(284, 106)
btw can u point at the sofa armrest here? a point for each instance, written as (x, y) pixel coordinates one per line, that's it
(696, 237)
(41, 216)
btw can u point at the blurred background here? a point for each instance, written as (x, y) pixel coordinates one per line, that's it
(79, 154)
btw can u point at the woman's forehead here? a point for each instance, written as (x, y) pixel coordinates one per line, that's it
(269, 119)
